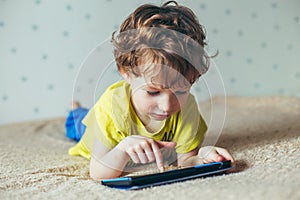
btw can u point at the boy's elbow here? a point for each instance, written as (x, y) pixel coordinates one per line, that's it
(99, 172)
(95, 171)
(98, 176)
(95, 176)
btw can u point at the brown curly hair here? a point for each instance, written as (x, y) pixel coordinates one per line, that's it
(168, 35)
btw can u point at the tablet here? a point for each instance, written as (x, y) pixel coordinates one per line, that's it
(149, 180)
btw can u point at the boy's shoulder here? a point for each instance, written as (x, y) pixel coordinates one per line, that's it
(115, 98)
(118, 90)
(113, 105)
(190, 108)
(191, 102)
(117, 87)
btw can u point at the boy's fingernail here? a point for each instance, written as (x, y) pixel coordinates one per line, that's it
(162, 169)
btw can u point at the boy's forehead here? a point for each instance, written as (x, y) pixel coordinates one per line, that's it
(175, 86)
(142, 82)
(164, 77)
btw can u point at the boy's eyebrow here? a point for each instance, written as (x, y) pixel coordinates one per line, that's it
(152, 87)
(160, 87)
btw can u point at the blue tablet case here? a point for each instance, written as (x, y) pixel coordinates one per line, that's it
(143, 181)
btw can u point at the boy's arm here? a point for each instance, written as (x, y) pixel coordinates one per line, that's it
(204, 155)
(189, 159)
(106, 163)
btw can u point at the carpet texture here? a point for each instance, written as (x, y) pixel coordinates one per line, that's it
(262, 133)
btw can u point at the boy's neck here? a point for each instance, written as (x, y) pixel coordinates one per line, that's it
(151, 126)
(154, 126)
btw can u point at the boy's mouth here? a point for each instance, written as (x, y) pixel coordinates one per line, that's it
(159, 117)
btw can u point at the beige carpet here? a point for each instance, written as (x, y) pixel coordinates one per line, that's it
(262, 133)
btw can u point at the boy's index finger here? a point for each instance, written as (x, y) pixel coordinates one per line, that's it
(158, 157)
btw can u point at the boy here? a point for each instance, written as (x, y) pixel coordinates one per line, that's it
(159, 53)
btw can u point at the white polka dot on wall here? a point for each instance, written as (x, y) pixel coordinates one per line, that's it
(228, 12)
(215, 30)
(276, 27)
(233, 80)
(34, 27)
(228, 53)
(275, 66)
(256, 85)
(281, 91)
(263, 44)
(87, 16)
(203, 6)
(13, 50)
(44, 56)
(69, 7)
(4, 98)
(274, 5)
(249, 60)
(254, 15)
(91, 81)
(50, 87)
(70, 66)
(36, 110)
(240, 33)
(290, 47)
(24, 79)
(65, 33)
(116, 26)
(38, 2)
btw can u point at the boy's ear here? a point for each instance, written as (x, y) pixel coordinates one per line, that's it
(126, 77)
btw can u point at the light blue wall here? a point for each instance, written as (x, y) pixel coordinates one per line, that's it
(44, 42)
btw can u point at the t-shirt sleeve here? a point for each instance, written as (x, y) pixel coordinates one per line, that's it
(101, 124)
(191, 127)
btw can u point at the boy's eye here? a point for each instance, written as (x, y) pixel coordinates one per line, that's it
(181, 92)
(153, 93)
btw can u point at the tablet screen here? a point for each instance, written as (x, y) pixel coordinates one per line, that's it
(141, 181)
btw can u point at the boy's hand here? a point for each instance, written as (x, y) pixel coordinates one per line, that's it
(144, 150)
(215, 154)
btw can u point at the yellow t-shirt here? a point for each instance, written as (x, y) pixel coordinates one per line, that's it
(114, 116)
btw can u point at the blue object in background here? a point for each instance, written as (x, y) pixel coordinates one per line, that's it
(74, 128)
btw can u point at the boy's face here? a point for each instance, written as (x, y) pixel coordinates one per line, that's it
(158, 94)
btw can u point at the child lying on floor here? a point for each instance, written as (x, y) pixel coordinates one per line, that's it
(159, 53)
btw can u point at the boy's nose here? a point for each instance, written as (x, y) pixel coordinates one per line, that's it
(168, 103)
